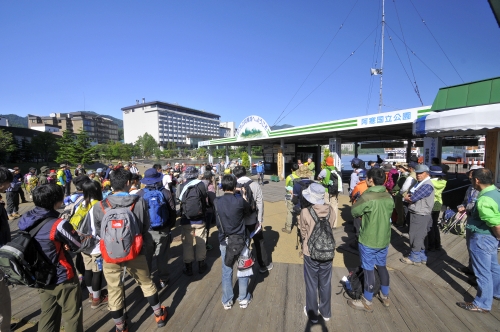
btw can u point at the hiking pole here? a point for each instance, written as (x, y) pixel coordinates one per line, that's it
(123, 291)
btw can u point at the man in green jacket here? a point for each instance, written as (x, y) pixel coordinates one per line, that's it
(312, 167)
(375, 208)
(484, 225)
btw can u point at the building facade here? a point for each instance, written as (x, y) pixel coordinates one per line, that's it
(99, 128)
(227, 129)
(168, 123)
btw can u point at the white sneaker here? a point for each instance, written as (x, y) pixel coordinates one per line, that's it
(314, 321)
(228, 305)
(245, 303)
(326, 319)
(266, 268)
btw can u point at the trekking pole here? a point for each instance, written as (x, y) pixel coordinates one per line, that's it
(123, 290)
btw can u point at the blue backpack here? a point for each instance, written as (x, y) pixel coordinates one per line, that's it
(158, 212)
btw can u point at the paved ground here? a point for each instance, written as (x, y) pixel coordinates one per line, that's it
(423, 297)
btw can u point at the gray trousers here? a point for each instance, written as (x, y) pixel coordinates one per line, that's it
(318, 278)
(5, 306)
(162, 245)
(419, 226)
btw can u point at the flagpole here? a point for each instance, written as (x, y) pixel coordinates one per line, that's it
(382, 58)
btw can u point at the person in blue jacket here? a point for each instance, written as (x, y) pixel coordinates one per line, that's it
(260, 173)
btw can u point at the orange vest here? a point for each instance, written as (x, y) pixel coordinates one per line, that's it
(359, 188)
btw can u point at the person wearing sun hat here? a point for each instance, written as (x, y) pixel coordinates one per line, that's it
(317, 274)
(327, 176)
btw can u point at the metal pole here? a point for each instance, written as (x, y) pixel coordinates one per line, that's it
(382, 58)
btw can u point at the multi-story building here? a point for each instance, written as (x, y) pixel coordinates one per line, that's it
(168, 123)
(227, 129)
(4, 122)
(100, 129)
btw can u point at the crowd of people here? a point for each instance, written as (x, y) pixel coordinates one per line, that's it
(81, 241)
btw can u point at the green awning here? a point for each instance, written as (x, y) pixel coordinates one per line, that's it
(495, 7)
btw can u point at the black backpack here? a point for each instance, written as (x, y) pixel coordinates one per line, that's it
(321, 243)
(356, 279)
(193, 203)
(250, 199)
(302, 202)
(23, 264)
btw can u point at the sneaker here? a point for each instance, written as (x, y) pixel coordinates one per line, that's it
(326, 319)
(16, 215)
(161, 320)
(314, 321)
(284, 230)
(96, 302)
(384, 299)
(228, 305)
(266, 268)
(90, 297)
(361, 304)
(245, 303)
(11, 217)
(407, 260)
(122, 327)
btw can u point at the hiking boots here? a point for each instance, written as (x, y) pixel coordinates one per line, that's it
(122, 327)
(284, 230)
(188, 270)
(96, 302)
(16, 215)
(361, 304)
(202, 267)
(408, 261)
(384, 299)
(161, 320)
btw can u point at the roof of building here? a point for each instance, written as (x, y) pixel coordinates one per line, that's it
(203, 113)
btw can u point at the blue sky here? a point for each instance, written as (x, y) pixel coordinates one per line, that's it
(237, 58)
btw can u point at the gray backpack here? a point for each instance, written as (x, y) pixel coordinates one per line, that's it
(121, 237)
(321, 243)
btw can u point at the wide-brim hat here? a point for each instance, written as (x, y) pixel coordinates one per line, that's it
(474, 167)
(314, 194)
(62, 165)
(190, 173)
(436, 171)
(151, 176)
(44, 169)
(90, 171)
(303, 172)
(387, 167)
(99, 170)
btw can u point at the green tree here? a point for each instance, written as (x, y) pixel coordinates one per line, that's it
(66, 147)
(120, 134)
(245, 161)
(7, 144)
(157, 153)
(83, 152)
(146, 145)
(44, 146)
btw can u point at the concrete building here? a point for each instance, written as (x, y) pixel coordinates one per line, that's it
(99, 128)
(4, 122)
(227, 129)
(168, 123)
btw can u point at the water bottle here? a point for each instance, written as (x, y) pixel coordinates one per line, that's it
(98, 261)
(347, 283)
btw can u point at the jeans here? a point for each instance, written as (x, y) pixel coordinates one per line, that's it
(227, 282)
(484, 255)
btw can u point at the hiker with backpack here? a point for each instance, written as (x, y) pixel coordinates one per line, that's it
(316, 223)
(83, 222)
(332, 182)
(356, 193)
(298, 200)
(125, 217)
(230, 210)
(193, 198)
(211, 194)
(374, 208)
(6, 178)
(60, 295)
(253, 222)
(30, 180)
(356, 168)
(161, 207)
(79, 170)
(42, 177)
(410, 181)
(12, 197)
(291, 216)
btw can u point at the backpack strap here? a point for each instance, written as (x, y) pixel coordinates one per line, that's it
(35, 230)
(315, 216)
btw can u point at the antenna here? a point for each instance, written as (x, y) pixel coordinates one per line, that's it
(382, 58)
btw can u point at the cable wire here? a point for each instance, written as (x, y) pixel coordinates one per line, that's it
(310, 93)
(374, 62)
(423, 21)
(415, 54)
(408, 55)
(341, 26)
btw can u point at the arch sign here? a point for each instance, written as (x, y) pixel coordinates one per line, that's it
(252, 127)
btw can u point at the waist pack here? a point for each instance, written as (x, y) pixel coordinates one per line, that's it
(121, 237)
(22, 263)
(356, 280)
(321, 243)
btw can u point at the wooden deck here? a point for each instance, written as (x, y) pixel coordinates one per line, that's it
(423, 298)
